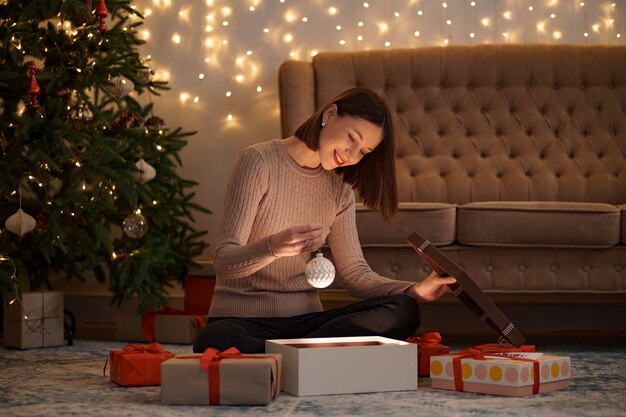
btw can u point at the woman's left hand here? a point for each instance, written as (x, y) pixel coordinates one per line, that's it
(431, 288)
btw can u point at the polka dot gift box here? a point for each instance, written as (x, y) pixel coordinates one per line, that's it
(473, 372)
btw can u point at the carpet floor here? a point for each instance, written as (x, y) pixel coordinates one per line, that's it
(68, 381)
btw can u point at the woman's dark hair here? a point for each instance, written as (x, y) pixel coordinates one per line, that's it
(374, 177)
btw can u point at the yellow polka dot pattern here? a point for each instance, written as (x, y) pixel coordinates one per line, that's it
(506, 372)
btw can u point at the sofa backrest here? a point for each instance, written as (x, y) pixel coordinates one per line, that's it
(486, 122)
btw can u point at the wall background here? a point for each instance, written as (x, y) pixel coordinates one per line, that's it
(221, 57)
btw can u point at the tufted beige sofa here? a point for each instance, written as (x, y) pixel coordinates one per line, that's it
(510, 158)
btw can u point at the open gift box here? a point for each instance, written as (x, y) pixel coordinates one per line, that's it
(518, 375)
(345, 365)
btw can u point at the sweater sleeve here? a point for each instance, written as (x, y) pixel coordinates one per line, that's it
(358, 278)
(234, 256)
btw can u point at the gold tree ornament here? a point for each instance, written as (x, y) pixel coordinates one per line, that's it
(80, 116)
(146, 171)
(20, 223)
(120, 86)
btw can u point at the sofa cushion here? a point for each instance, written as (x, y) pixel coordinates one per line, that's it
(435, 221)
(539, 224)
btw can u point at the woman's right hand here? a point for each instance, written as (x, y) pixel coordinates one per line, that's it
(296, 240)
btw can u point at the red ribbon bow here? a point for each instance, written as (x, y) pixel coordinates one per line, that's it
(456, 365)
(138, 348)
(431, 338)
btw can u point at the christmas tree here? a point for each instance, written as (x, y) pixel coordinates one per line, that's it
(88, 181)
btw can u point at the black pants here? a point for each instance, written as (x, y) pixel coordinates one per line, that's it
(394, 316)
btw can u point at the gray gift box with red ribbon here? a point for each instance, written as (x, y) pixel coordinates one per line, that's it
(36, 323)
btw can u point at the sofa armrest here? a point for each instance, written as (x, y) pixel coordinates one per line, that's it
(296, 89)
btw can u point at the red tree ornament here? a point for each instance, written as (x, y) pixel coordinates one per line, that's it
(33, 88)
(101, 13)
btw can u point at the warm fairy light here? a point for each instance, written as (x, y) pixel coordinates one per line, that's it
(251, 8)
(77, 163)
(184, 97)
(359, 38)
(248, 53)
(505, 34)
(473, 3)
(147, 12)
(444, 5)
(201, 76)
(360, 24)
(419, 12)
(226, 11)
(416, 33)
(383, 27)
(541, 26)
(239, 78)
(229, 117)
(446, 41)
(596, 27)
(266, 30)
(196, 99)
(586, 35)
(228, 94)
(557, 34)
(290, 16)
(332, 11)
(582, 4)
(485, 21)
(342, 42)
(472, 35)
(338, 27)
(507, 15)
(145, 35)
(176, 38)
(305, 19)
(448, 22)
(288, 37)
(552, 15)
(259, 89)
(366, 5)
(387, 44)
(225, 23)
(154, 202)
(396, 14)
(313, 52)
(531, 8)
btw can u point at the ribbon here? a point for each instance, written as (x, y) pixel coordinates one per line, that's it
(427, 339)
(478, 355)
(139, 348)
(456, 365)
(147, 321)
(503, 347)
(210, 363)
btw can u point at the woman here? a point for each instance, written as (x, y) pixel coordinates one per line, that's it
(285, 198)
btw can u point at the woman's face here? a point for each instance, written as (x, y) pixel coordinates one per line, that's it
(346, 139)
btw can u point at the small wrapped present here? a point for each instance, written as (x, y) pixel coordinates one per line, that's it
(523, 374)
(36, 323)
(165, 326)
(221, 378)
(137, 365)
(429, 345)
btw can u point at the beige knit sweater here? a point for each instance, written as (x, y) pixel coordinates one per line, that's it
(267, 193)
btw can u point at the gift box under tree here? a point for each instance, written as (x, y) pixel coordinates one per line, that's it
(221, 378)
(36, 322)
(473, 371)
(137, 365)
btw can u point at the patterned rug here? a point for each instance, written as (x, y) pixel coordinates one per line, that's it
(68, 381)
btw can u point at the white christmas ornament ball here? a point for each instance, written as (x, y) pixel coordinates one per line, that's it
(20, 222)
(120, 86)
(320, 272)
(146, 171)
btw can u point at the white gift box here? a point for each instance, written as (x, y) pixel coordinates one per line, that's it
(345, 365)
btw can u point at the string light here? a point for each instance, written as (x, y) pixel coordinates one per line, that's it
(229, 53)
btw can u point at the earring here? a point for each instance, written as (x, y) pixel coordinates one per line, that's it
(323, 123)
